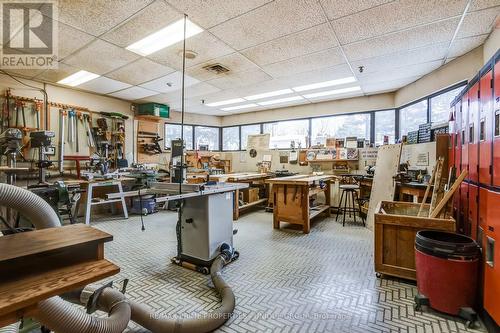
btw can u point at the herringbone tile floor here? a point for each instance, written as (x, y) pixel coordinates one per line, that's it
(284, 281)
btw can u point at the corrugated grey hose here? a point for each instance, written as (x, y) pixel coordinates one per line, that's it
(157, 323)
(54, 312)
(62, 317)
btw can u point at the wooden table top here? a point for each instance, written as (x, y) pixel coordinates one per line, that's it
(299, 179)
(38, 241)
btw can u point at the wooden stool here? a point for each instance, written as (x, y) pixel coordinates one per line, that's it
(349, 197)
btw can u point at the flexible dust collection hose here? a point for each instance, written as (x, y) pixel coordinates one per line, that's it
(59, 315)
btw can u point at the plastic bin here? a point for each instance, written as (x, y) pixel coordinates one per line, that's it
(447, 271)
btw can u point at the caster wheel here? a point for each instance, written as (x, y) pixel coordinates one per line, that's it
(470, 324)
(378, 275)
(417, 307)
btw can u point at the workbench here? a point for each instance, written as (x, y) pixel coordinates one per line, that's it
(254, 179)
(40, 264)
(291, 197)
(413, 190)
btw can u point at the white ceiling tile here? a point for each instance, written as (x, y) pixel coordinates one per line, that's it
(463, 45)
(483, 4)
(394, 16)
(318, 75)
(97, 16)
(133, 93)
(218, 96)
(335, 97)
(403, 58)
(54, 75)
(261, 87)
(140, 71)
(198, 90)
(337, 8)
(305, 63)
(234, 80)
(103, 85)
(151, 19)
(206, 46)
(276, 19)
(209, 13)
(25, 73)
(68, 39)
(169, 83)
(301, 43)
(478, 23)
(401, 41)
(71, 39)
(385, 86)
(101, 57)
(235, 62)
(399, 73)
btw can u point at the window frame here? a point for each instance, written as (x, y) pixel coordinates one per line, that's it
(165, 134)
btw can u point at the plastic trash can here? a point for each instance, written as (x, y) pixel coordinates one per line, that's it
(447, 272)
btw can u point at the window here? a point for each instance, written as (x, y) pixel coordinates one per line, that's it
(231, 138)
(357, 125)
(246, 131)
(173, 131)
(385, 124)
(440, 106)
(284, 132)
(206, 136)
(412, 116)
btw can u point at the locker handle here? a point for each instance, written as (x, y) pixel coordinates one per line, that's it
(490, 251)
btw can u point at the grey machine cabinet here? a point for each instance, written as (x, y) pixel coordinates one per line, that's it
(207, 222)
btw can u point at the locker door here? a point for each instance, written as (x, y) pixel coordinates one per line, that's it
(491, 292)
(485, 127)
(456, 162)
(473, 210)
(473, 133)
(465, 136)
(464, 223)
(496, 122)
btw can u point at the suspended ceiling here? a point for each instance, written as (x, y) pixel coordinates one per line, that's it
(266, 45)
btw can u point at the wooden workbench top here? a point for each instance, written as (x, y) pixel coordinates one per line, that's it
(299, 179)
(40, 264)
(44, 240)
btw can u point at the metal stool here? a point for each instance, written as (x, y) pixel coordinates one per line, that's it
(349, 197)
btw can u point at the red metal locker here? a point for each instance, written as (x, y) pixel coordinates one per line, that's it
(485, 127)
(464, 223)
(496, 126)
(473, 132)
(473, 211)
(491, 291)
(458, 138)
(464, 161)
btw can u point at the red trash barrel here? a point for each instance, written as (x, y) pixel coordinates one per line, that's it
(447, 269)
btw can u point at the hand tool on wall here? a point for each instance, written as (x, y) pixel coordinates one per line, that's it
(62, 118)
(88, 128)
(78, 118)
(71, 125)
(115, 115)
(38, 109)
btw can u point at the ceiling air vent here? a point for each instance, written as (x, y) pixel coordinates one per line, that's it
(216, 68)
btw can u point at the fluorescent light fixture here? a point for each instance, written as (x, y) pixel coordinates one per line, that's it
(269, 94)
(226, 102)
(333, 92)
(238, 107)
(167, 36)
(281, 100)
(78, 78)
(324, 84)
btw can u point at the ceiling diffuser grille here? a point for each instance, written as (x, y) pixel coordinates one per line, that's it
(216, 68)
